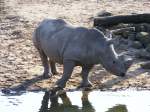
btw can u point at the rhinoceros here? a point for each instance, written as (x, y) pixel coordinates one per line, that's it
(59, 42)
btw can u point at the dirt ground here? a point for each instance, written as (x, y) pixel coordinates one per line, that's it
(20, 65)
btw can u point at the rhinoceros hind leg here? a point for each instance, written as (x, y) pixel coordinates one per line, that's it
(53, 67)
(44, 59)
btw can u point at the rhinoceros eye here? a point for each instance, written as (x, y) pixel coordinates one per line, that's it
(114, 62)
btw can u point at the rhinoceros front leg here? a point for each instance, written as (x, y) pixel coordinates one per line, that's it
(53, 67)
(67, 71)
(85, 79)
(44, 59)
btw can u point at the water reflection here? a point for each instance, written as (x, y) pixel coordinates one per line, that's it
(77, 101)
(67, 106)
(118, 108)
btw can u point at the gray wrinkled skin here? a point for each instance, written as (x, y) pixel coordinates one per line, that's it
(58, 42)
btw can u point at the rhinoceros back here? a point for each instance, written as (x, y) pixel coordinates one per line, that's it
(59, 40)
(48, 37)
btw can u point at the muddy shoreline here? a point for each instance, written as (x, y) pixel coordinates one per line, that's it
(20, 65)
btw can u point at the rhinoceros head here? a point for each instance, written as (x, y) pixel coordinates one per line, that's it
(113, 62)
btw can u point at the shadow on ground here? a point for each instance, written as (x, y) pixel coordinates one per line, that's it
(132, 74)
(106, 85)
(24, 85)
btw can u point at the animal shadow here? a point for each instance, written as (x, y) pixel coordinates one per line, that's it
(135, 73)
(23, 86)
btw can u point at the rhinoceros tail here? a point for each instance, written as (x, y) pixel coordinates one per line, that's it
(36, 38)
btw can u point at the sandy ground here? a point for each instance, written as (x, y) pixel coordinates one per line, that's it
(20, 65)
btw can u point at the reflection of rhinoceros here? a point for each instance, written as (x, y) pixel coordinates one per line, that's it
(75, 46)
(66, 105)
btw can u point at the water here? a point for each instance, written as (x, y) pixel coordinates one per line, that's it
(79, 101)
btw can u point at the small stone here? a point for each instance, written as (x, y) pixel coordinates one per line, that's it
(143, 37)
(16, 32)
(10, 79)
(136, 45)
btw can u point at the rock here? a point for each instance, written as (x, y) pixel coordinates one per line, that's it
(10, 80)
(136, 45)
(148, 48)
(143, 37)
(16, 32)
(145, 65)
(103, 13)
